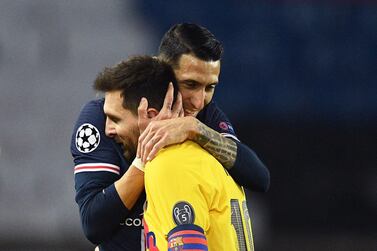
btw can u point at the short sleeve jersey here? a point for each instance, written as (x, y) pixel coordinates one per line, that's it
(188, 189)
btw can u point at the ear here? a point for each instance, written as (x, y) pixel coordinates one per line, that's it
(152, 112)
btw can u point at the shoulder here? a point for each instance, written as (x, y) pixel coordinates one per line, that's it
(91, 149)
(215, 118)
(90, 126)
(184, 171)
(181, 160)
(92, 111)
(187, 152)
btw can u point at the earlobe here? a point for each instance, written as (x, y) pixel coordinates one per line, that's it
(152, 112)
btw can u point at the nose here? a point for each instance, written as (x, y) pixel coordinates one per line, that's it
(197, 100)
(110, 128)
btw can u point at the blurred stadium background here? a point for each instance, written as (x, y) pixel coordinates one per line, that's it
(298, 80)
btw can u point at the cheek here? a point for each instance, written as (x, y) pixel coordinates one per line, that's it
(122, 131)
(186, 94)
(208, 98)
(186, 100)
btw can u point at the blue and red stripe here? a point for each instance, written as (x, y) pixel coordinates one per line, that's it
(187, 237)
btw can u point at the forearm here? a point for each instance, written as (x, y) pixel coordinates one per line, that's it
(249, 171)
(103, 207)
(130, 186)
(222, 148)
(101, 211)
(243, 164)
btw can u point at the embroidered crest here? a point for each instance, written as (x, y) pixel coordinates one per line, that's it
(183, 213)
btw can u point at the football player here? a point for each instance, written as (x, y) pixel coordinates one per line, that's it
(192, 202)
(109, 189)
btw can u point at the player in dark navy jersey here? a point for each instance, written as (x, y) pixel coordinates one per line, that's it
(109, 188)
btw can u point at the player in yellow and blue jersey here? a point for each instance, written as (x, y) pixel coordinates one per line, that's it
(193, 203)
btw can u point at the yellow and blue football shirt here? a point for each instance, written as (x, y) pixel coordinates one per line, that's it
(193, 203)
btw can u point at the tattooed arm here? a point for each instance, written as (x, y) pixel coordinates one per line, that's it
(241, 162)
(159, 134)
(222, 148)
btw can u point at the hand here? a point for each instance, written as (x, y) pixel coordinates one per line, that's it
(166, 112)
(159, 134)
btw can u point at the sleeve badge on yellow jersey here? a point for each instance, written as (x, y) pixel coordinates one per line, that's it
(183, 213)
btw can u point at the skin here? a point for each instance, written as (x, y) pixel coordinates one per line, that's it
(197, 80)
(121, 124)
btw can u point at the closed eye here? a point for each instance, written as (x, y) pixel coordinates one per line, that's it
(114, 119)
(210, 87)
(189, 84)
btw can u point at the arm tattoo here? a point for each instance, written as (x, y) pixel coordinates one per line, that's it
(222, 148)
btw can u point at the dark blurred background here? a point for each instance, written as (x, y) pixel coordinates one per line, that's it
(298, 80)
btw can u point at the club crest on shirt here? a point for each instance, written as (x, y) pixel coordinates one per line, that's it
(87, 138)
(183, 213)
(176, 243)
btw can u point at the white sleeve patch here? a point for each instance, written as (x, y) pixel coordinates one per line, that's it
(87, 138)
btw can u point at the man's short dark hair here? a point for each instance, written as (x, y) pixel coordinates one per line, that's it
(137, 77)
(189, 38)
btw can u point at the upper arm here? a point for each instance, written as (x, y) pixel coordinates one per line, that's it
(91, 149)
(96, 157)
(247, 170)
(172, 189)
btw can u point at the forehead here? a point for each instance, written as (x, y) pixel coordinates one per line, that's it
(113, 104)
(193, 68)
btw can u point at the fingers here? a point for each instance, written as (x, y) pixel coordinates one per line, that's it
(145, 139)
(142, 114)
(156, 148)
(177, 108)
(168, 101)
(150, 142)
(142, 109)
(149, 146)
(181, 113)
(140, 142)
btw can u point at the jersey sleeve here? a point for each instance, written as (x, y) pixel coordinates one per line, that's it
(248, 170)
(96, 167)
(178, 201)
(216, 119)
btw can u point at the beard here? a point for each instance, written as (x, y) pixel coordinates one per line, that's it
(129, 144)
(129, 151)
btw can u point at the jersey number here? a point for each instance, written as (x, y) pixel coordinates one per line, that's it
(238, 224)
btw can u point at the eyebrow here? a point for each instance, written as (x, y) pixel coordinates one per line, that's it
(191, 81)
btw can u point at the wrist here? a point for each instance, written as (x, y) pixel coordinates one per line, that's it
(193, 128)
(138, 164)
